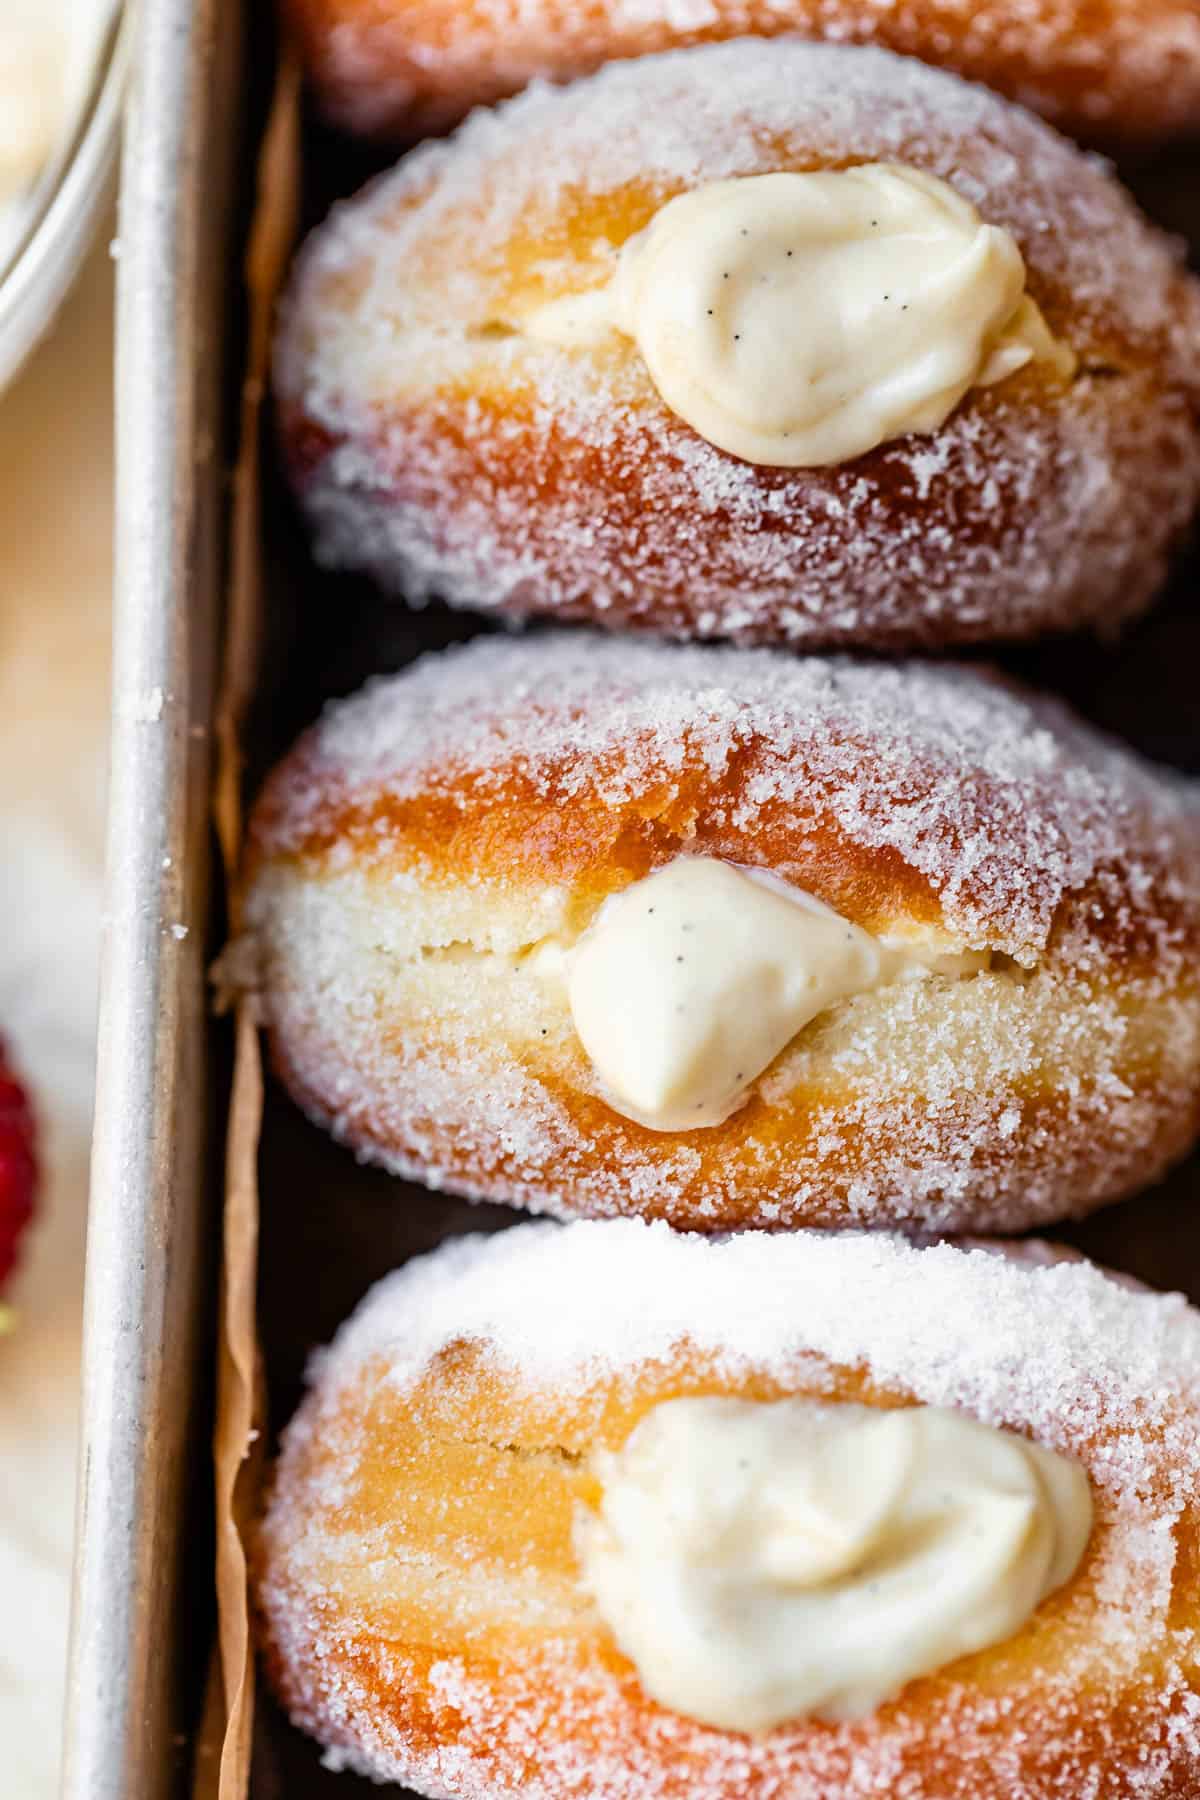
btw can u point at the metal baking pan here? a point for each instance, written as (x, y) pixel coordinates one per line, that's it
(143, 1617)
(141, 1621)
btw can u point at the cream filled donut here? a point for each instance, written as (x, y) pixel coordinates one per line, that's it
(731, 938)
(1121, 69)
(769, 341)
(568, 1509)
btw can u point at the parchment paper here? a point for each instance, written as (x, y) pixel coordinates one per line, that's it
(240, 1411)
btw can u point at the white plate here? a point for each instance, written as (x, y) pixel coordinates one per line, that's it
(63, 216)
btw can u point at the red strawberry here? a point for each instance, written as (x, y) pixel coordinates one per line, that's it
(18, 1164)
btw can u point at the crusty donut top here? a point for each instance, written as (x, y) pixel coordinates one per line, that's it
(565, 1319)
(400, 348)
(1129, 66)
(1024, 1334)
(932, 786)
(663, 124)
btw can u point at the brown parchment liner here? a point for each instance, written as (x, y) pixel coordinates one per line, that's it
(222, 1768)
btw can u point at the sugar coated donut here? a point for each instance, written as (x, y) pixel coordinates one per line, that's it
(449, 430)
(944, 968)
(1099, 67)
(430, 1613)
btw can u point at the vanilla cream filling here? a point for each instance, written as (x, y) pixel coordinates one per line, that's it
(48, 53)
(689, 983)
(33, 86)
(799, 320)
(765, 1561)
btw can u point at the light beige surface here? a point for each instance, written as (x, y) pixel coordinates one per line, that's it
(55, 575)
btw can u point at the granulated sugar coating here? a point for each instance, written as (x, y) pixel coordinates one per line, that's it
(1129, 70)
(1001, 798)
(435, 444)
(432, 837)
(417, 1581)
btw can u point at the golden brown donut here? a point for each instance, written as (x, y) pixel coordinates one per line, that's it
(420, 1602)
(433, 442)
(1117, 69)
(418, 848)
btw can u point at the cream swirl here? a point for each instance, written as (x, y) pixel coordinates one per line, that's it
(799, 320)
(763, 1561)
(691, 981)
